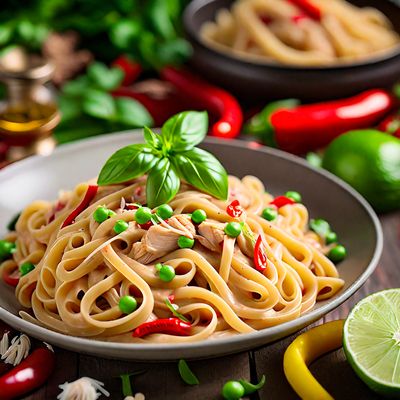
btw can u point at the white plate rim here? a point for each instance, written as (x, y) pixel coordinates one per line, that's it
(139, 351)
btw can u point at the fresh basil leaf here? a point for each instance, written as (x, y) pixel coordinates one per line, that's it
(162, 183)
(105, 78)
(175, 51)
(320, 227)
(185, 130)
(5, 34)
(124, 32)
(132, 113)
(77, 87)
(151, 138)
(70, 107)
(203, 171)
(158, 16)
(186, 373)
(99, 104)
(126, 164)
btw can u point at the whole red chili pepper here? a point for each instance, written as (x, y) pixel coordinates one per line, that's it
(260, 259)
(391, 124)
(281, 201)
(304, 128)
(30, 374)
(170, 326)
(212, 98)
(234, 209)
(130, 68)
(159, 108)
(89, 196)
(11, 276)
(308, 8)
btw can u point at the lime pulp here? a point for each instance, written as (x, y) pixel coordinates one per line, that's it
(371, 341)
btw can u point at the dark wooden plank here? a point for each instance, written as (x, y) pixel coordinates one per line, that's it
(66, 370)
(162, 381)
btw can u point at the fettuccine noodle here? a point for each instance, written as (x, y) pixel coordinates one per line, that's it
(82, 270)
(279, 30)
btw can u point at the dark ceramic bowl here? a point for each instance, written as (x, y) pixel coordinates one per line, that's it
(267, 80)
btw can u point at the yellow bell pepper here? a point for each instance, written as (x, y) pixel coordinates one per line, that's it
(303, 351)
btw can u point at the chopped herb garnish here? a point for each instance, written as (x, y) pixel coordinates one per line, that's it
(186, 374)
(175, 312)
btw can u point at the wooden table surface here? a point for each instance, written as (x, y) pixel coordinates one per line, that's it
(161, 381)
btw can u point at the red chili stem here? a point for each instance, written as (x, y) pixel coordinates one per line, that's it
(89, 196)
(30, 374)
(169, 326)
(312, 126)
(234, 209)
(308, 8)
(281, 201)
(214, 99)
(260, 259)
(130, 68)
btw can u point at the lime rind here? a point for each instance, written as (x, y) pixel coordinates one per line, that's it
(370, 341)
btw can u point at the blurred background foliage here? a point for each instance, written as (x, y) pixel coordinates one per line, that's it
(148, 30)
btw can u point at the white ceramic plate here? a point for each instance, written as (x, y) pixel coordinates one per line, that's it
(324, 195)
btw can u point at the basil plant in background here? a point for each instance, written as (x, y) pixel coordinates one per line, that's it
(89, 109)
(167, 158)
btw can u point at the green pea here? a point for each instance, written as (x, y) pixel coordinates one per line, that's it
(165, 272)
(295, 196)
(233, 229)
(127, 304)
(337, 253)
(331, 237)
(101, 214)
(143, 215)
(120, 226)
(6, 249)
(232, 390)
(26, 267)
(165, 211)
(185, 242)
(269, 213)
(198, 216)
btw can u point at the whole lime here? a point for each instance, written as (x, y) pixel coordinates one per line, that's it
(369, 161)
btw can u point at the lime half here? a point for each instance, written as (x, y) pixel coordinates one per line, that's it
(371, 341)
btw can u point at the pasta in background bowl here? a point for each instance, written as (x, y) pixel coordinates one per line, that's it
(324, 196)
(264, 49)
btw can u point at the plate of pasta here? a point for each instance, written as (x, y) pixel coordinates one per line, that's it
(150, 261)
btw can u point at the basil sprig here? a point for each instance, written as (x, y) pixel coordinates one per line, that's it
(167, 158)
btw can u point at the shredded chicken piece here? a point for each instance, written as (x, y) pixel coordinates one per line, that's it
(15, 352)
(163, 238)
(211, 234)
(82, 389)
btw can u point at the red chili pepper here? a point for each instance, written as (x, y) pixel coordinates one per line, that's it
(170, 326)
(171, 298)
(147, 225)
(59, 206)
(260, 259)
(234, 209)
(308, 8)
(281, 201)
(159, 108)
(130, 206)
(391, 124)
(30, 374)
(304, 128)
(130, 68)
(214, 99)
(89, 196)
(11, 276)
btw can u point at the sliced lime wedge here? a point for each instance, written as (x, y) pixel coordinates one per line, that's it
(371, 341)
